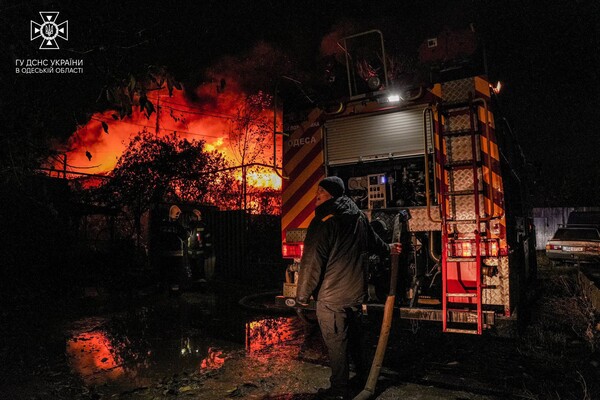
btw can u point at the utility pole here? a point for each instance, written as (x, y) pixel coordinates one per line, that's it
(157, 129)
(244, 186)
(65, 166)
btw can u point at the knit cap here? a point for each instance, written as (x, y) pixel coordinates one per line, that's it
(333, 185)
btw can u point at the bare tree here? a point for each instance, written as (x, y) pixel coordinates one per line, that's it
(250, 136)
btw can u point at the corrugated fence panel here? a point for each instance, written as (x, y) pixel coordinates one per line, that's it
(247, 247)
(398, 134)
(229, 229)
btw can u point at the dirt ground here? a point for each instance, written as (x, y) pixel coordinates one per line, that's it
(556, 356)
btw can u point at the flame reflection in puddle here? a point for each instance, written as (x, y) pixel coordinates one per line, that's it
(214, 360)
(266, 333)
(103, 352)
(94, 357)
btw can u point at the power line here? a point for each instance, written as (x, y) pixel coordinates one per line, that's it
(66, 164)
(164, 129)
(223, 116)
(73, 173)
(214, 115)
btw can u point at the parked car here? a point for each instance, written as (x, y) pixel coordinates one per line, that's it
(584, 218)
(574, 244)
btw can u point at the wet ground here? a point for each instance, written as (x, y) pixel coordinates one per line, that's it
(203, 345)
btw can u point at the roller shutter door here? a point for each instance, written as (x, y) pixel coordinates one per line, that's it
(376, 137)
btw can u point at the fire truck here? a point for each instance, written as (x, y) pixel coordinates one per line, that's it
(438, 153)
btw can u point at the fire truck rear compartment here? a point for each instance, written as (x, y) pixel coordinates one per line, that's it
(385, 183)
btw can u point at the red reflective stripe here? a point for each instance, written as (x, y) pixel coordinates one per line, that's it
(309, 182)
(292, 151)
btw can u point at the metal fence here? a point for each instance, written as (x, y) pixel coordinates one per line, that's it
(247, 246)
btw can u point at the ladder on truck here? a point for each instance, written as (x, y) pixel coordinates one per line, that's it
(462, 204)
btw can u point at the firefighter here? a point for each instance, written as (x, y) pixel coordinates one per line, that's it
(174, 255)
(199, 245)
(333, 270)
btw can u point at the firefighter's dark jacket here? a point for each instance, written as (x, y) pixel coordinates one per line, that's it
(337, 245)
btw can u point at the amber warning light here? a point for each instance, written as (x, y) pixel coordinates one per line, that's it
(292, 250)
(488, 248)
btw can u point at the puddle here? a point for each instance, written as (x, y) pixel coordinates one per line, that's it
(265, 333)
(179, 336)
(94, 357)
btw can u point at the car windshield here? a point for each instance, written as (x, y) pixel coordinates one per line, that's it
(576, 234)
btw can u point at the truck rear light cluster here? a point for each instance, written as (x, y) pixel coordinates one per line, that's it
(467, 248)
(292, 250)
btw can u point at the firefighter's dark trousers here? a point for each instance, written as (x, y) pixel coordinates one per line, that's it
(197, 266)
(341, 330)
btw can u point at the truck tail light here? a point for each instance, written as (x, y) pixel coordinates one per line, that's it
(292, 250)
(492, 248)
(468, 248)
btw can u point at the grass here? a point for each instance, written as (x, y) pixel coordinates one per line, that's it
(561, 342)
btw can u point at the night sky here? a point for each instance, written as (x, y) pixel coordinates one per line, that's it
(546, 53)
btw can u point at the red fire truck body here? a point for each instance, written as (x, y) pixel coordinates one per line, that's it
(443, 154)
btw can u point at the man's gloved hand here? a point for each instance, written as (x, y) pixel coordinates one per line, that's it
(395, 248)
(301, 302)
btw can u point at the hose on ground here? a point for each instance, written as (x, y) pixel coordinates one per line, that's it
(384, 335)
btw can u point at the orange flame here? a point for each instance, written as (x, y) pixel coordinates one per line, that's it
(92, 150)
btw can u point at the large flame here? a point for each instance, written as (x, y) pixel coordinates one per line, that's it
(93, 150)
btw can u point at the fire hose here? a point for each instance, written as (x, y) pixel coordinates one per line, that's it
(388, 312)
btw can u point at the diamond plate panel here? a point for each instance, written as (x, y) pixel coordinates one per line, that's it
(455, 91)
(458, 122)
(464, 230)
(420, 221)
(492, 296)
(464, 207)
(458, 148)
(504, 281)
(295, 235)
(386, 217)
(462, 179)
